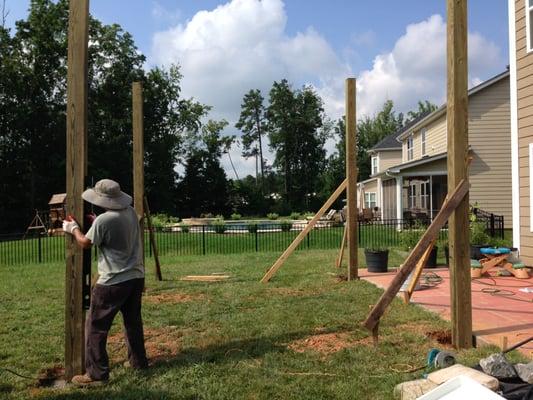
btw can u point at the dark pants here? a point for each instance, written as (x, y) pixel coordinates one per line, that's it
(106, 302)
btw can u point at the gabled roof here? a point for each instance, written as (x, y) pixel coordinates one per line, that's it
(442, 110)
(391, 141)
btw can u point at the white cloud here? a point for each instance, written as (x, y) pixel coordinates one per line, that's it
(416, 68)
(162, 14)
(243, 45)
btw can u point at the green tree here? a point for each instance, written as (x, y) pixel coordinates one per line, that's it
(205, 187)
(296, 122)
(424, 107)
(252, 124)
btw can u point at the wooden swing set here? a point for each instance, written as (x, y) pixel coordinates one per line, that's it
(454, 211)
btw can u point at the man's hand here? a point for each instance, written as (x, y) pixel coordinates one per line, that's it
(69, 226)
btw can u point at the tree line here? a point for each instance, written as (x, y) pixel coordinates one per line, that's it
(291, 123)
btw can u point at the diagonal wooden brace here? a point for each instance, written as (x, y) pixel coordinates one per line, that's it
(410, 263)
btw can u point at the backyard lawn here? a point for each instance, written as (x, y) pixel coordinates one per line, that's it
(298, 337)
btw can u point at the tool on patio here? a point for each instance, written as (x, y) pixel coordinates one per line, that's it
(440, 359)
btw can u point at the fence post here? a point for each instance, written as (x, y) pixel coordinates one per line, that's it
(492, 232)
(203, 240)
(40, 250)
(256, 238)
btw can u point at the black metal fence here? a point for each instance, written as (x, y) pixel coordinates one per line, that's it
(494, 223)
(230, 238)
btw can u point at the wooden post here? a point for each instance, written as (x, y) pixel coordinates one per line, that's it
(76, 168)
(457, 123)
(138, 155)
(351, 176)
(338, 262)
(277, 265)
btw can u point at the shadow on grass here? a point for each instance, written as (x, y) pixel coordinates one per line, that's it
(111, 393)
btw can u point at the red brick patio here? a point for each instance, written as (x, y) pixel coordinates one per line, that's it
(508, 312)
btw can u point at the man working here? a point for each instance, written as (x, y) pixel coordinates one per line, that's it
(121, 279)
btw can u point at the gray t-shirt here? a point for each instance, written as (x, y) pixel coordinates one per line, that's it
(117, 235)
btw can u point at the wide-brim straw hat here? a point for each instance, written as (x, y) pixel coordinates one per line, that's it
(107, 194)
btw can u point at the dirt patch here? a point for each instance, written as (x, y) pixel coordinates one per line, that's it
(441, 336)
(282, 291)
(48, 376)
(172, 297)
(327, 343)
(160, 343)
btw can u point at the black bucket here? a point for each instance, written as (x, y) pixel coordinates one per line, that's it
(432, 259)
(475, 251)
(377, 260)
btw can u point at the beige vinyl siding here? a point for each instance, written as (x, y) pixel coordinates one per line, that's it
(524, 76)
(489, 137)
(389, 158)
(435, 140)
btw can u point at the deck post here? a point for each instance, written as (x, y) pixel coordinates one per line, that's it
(76, 171)
(457, 126)
(351, 176)
(399, 199)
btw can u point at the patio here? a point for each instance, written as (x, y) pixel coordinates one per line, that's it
(499, 309)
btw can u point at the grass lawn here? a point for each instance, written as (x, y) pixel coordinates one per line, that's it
(298, 337)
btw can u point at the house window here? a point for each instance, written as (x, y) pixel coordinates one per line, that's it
(424, 195)
(410, 147)
(375, 168)
(423, 139)
(412, 195)
(529, 24)
(370, 200)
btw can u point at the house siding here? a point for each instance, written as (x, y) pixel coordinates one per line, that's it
(389, 159)
(524, 77)
(435, 140)
(489, 128)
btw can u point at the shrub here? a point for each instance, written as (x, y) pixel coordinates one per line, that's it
(163, 220)
(285, 225)
(185, 228)
(252, 228)
(309, 214)
(236, 216)
(219, 217)
(478, 233)
(272, 216)
(220, 226)
(295, 215)
(410, 237)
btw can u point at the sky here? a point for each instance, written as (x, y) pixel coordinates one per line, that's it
(395, 49)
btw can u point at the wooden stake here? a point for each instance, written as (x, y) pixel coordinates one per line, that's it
(351, 176)
(457, 125)
(418, 271)
(152, 241)
(138, 156)
(76, 168)
(277, 265)
(429, 236)
(338, 262)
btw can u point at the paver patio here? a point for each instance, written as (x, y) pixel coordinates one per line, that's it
(499, 308)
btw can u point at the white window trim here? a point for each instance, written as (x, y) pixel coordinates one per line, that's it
(530, 187)
(528, 10)
(410, 139)
(423, 141)
(376, 157)
(368, 202)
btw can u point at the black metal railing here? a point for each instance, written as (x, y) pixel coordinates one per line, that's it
(230, 238)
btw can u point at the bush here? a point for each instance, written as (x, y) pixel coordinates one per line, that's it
(220, 226)
(285, 225)
(309, 214)
(185, 228)
(219, 217)
(272, 216)
(252, 228)
(410, 237)
(295, 215)
(236, 216)
(163, 220)
(478, 233)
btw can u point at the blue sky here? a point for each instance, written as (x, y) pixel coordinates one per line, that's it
(396, 49)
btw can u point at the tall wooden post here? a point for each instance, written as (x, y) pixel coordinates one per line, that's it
(75, 179)
(351, 175)
(457, 120)
(138, 155)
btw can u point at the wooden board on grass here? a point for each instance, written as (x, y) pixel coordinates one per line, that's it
(205, 278)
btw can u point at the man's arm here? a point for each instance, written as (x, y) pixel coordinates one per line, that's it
(71, 226)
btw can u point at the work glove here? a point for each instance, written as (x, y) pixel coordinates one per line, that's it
(69, 226)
